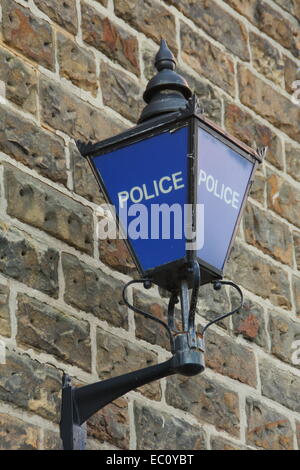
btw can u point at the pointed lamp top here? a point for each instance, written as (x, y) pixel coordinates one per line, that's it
(164, 58)
(167, 92)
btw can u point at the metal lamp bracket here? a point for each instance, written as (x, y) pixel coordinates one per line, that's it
(187, 346)
(80, 403)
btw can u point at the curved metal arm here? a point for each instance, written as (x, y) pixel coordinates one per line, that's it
(79, 404)
(91, 398)
(146, 314)
(217, 286)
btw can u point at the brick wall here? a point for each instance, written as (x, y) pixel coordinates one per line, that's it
(77, 69)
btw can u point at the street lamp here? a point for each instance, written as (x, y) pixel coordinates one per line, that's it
(178, 185)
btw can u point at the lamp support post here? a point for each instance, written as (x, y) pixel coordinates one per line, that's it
(80, 403)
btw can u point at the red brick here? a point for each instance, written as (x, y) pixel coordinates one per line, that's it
(215, 21)
(283, 198)
(242, 125)
(291, 74)
(116, 356)
(111, 424)
(109, 38)
(27, 33)
(267, 59)
(269, 103)
(271, 22)
(267, 429)
(30, 145)
(149, 17)
(156, 430)
(63, 111)
(15, 434)
(20, 81)
(226, 357)
(207, 400)
(41, 206)
(207, 59)
(4, 310)
(259, 225)
(291, 6)
(63, 13)
(77, 64)
(260, 276)
(115, 254)
(121, 93)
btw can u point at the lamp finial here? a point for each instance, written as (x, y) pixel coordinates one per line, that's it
(167, 91)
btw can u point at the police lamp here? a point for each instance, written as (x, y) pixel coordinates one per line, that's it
(177, 185)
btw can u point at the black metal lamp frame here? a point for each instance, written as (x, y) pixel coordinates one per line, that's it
(164, 112)
(79, 404)
(169, 276)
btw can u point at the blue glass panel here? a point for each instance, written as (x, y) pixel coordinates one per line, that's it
(150, 172)
(223, 177)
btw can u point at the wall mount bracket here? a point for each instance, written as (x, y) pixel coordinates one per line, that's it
(187, 347)
(80, 403)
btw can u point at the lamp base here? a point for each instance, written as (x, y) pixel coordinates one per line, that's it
(170, 276)
(188, 360)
